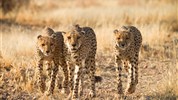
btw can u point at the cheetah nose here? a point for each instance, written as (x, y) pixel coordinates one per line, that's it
(47, 51)
(73, 45)
(122, 45)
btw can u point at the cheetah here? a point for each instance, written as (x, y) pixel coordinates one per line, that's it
(128, 41)
(50, 49)
(81, 44)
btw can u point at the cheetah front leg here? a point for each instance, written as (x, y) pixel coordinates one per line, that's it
(131, 82)
(77, 76)
(85, 71)
(41, 79)
(53, 78)
(71, 69)
(125, 66)
(49, 69)
(119, 71)
(81, 83)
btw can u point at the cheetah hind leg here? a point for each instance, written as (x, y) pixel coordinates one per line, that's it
(65, 82)
(92, 79)
(52, 81)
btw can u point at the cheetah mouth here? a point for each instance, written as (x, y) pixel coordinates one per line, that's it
(47, 55)
(73, 50)
(121, 46)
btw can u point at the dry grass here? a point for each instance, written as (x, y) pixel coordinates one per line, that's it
(157, 21)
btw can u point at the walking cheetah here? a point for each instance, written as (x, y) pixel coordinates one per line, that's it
(50, 49)
(128, 41)
(82, 45)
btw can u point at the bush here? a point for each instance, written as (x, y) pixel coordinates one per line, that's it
(12, 5)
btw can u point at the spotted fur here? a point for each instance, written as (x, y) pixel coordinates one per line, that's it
(128, 41)
(81, 44)
(50, 50)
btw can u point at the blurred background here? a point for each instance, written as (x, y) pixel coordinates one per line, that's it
(157, 19)
(96, 13)
(22, 20)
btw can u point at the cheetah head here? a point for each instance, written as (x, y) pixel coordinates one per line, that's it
(46, 44)
(123, 38)
(73, 38)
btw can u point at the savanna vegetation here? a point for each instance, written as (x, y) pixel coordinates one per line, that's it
(21, 21)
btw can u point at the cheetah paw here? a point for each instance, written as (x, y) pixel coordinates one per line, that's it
(136, 82)
(74, 98)
(121, 97)
(91, 94)
(81, 93)
(65, 91)
(47, 93)
(120, 92)
(69, 97)
(130, 90)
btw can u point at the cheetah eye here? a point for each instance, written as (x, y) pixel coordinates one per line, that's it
(119, 38)
(51, 44)
(127, 38)
(78, 37)
(69, 37)
(43, 44)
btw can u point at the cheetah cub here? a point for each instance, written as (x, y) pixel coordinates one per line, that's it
(50, 49)
(128, 40)
(81, 44)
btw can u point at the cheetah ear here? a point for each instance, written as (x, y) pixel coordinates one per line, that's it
(63, 33)
(49, 31)
(129, 30)
(77, 27)
(53, 36)
(115, 31)
(39, 36)
(125, 28)
(83, 32)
